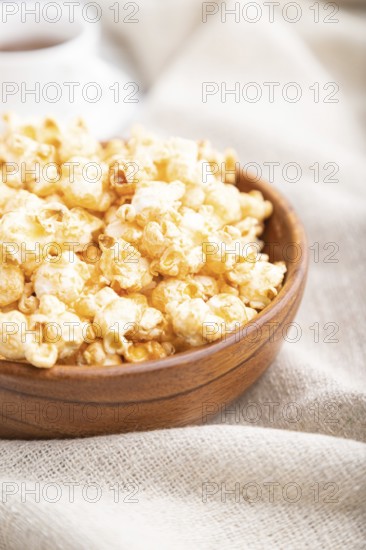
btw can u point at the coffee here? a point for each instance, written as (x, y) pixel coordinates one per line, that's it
(29, 45)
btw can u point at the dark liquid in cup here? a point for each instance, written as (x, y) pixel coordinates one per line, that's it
(28, 45)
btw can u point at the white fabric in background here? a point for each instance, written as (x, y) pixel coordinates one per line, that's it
(300, 431)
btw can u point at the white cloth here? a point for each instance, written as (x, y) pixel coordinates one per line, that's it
(293, 446)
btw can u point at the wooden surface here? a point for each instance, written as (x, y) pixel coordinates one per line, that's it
(188, 388)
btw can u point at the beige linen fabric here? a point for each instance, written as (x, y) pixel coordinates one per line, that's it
(292, 449)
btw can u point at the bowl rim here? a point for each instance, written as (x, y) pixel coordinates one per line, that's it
(195, 354)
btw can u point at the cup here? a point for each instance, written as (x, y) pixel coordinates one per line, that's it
(49, 66)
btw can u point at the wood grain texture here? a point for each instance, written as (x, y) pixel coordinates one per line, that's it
(188, 388)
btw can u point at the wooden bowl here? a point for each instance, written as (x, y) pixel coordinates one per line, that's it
(188, 388)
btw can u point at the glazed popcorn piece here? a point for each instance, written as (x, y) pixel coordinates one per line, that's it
(65, 278)
(123, 264)
(153, 199)
(18, 342)
(258, 282)
(59, 326)
(6, 193)
(124, 320)
(11, 284)
(12, 327)
(95, 354)
(84, 183)
(126, 251)
(197, 321)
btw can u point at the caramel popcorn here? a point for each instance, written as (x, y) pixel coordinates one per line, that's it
(125, 251)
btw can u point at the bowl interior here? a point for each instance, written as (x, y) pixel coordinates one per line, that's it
(284, 239)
